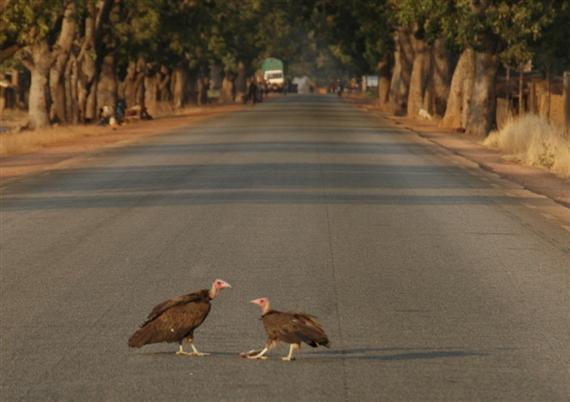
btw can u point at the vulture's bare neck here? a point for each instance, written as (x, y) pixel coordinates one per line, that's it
(265, 309)
(213, 292)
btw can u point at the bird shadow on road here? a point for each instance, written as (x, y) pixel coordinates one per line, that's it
(380, 354)
(392, 354)
(173, 354)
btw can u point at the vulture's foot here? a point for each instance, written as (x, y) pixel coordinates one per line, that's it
(252, 355)
(292, 348)
(195, 351)
(182, 352)
(255, 354)
(196, 354)
(257, 357)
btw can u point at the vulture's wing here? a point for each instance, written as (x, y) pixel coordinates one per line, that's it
(165, 305)
(173, 323)
(310, 330)
(296, 328)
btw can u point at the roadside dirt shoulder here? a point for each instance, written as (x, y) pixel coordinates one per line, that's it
(94, 139)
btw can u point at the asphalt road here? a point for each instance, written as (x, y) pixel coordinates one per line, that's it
(434, 280)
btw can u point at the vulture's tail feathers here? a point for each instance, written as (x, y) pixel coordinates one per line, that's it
(140, 337)
(311, 331)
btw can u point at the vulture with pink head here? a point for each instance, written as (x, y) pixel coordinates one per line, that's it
(176, 319)
(290, 328)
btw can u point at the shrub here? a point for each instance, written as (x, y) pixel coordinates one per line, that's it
(533, 141)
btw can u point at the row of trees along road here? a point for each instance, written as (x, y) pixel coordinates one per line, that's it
(439, 55)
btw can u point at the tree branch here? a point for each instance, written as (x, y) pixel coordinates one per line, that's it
(8, 52)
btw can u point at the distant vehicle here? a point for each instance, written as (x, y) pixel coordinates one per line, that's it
(273, 74)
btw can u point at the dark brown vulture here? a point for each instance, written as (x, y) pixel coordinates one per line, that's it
(291, 328)
(176, 319)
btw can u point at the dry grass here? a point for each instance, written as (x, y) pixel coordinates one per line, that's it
(533, 141)
(28, 141)
(89, 136)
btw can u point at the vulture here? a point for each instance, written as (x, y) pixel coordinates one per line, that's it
(176, 319)
(291, 328)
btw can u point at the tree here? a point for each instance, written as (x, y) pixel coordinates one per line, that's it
(33, 28)
(489, 32)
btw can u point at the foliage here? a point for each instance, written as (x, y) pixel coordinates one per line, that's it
(512, 29)
(551, 53)
(323, 37)
(24, 21)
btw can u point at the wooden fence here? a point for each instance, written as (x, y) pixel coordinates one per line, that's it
(549, 99)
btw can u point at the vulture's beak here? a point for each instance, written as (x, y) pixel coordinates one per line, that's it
(220, 284)
(256, 301)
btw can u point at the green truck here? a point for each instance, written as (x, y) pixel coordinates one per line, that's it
(273, 74)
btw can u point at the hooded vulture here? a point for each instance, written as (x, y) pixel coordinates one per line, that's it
(290, 328)
(176, 319)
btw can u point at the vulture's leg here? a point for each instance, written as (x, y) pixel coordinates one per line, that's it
(254, 354)
(182, 352)
(292, 348)
(195, 351)
(260, 355)
(249, 354)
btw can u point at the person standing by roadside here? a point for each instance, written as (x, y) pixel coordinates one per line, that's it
(252, 92)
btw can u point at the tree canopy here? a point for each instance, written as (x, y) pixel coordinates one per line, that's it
(324, 39)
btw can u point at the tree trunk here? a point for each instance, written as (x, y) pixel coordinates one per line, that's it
(71, 98)
(163, 89)
(107, 84)
(227, 91)
(439, 82)
(61, 52)
(202, 84)
(508, 91)
(548, 93)
(151, 93)
(240, 83)
(384, 82)
(129, 89)
(87, 67)
(85, 105)
(39, 70)
(566, 101)
(109, 14)
(482, 109)
(521, 93)
(137, 88)
(454, 107)
(400, 83)
(38, 113)
(418, 79)
(179, 86)
(468, 83)
(215, 80)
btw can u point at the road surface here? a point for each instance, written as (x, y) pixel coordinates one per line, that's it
(434, 280)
